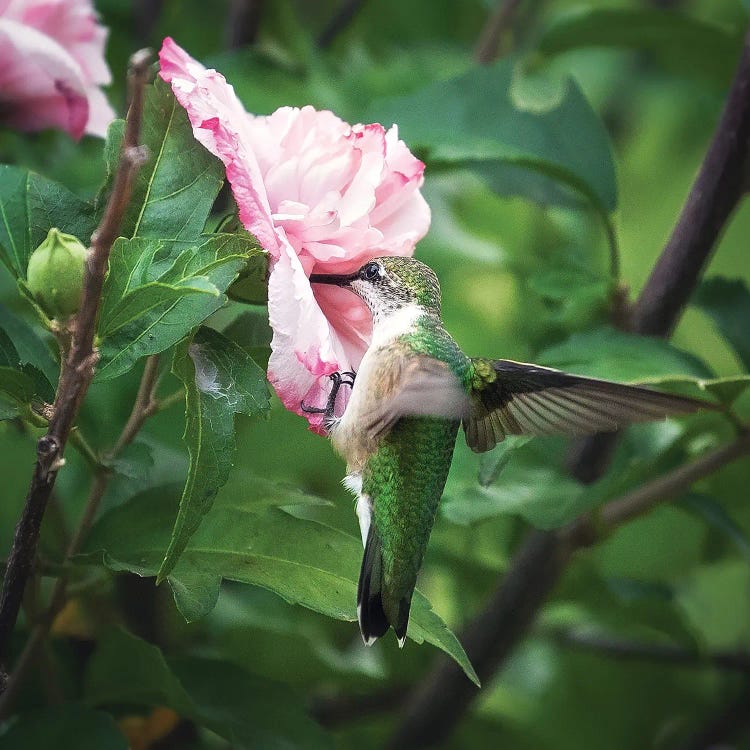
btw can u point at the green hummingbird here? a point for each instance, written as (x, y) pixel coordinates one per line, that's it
(412, 391)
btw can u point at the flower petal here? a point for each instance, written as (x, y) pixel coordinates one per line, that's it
(222, 125)
(304, 349)
(58, 45)
(42, 85)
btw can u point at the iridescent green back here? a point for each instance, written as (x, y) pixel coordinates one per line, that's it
(405, 477)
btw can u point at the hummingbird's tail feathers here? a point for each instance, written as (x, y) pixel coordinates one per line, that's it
(515, 398)
(375, 617)
(373, 622)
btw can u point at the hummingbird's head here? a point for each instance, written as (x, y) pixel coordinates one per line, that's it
(390, 283)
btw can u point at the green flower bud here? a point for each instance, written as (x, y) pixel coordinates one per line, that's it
(55, 274)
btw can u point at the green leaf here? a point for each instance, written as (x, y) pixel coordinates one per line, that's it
(176, 187)
(713, 513)
(221, 380)
(684, 44)
(727, 303)
(67, 726)
(252, 331)
(31, 348)
(473, 120)
(125, 669)
(247, 711)
(251, 712)
(243, 539)
(614, 355)
(30, 205)
(20, 383)
(494, 461)
(252, 284)
(726, 390)
(157, 292)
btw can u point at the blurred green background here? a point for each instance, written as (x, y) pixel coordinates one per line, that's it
(518, 276)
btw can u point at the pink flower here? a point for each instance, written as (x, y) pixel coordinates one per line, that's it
(321, 196)
(51, 66)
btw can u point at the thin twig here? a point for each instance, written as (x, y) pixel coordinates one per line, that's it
(343, 17)
(444, 696)
(144, 406)
(488, 46)
(77, 366)
(669, 653)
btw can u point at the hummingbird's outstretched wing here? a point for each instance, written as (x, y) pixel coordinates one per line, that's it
(515, 398)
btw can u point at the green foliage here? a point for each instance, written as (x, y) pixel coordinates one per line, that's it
(246, 711)
(685, 44)
(220, 380)
(727, 303)
(30, 206)
(177, 185)
(473, 120)
(250, 540)
(69, 725)
(157, 292)
(545, 171)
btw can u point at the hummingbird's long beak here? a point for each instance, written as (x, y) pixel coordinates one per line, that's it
(332, 278)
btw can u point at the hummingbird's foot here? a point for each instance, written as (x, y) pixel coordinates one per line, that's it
(338, 379)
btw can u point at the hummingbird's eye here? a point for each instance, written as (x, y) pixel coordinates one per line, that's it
(370, 272)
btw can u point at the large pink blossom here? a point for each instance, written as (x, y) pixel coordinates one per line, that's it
(51, 66)
(321, 196)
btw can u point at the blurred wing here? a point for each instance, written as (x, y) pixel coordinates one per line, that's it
(414, 386)
(515, 398)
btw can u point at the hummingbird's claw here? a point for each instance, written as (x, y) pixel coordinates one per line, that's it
(310, 409)
(338, 379)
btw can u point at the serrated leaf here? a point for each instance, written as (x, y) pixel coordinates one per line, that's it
(221, 380)
(176, 187)
(683, 43)
(614, 355)
(30, 205)
(302, 561)
(67, 726)
(157, 292)
(727, 303)
(473, 120)
(248, 711)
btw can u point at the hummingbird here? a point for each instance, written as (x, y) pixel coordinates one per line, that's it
(412, 392)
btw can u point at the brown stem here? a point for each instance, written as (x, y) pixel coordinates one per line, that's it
(243, 23)
(78, 363)
(343, 17)
(143, 407)
(488, 46)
